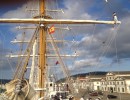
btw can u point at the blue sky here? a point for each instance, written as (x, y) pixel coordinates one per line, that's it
(100, 47)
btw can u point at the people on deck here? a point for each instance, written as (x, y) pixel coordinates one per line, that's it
(89, 99)
(98, 98)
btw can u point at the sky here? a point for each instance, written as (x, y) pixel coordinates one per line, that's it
(100, 47)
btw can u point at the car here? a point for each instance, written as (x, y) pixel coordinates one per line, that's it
(111, 96)
(93, 94)
(100, 92)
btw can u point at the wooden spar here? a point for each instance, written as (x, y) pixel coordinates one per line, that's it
(48, 41)
(56, 21)
(42, 51)
(19, 27)
(49, 56)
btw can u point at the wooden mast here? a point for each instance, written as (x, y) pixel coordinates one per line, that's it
(42, 50)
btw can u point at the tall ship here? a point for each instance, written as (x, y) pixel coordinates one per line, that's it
(48, 52)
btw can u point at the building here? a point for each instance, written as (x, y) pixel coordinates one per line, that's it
(111, 82)
(90, 82)
(116, 82)
(81, 83)
(95, 82)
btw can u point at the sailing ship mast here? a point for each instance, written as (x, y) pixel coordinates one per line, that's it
(42, 21)
(42, 50)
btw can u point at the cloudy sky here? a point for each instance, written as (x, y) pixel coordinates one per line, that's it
(100, 47)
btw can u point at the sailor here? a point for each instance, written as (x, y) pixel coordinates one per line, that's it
(89, 99)
(56, 97)
(115, 17)
(60, 97)
(71, 98)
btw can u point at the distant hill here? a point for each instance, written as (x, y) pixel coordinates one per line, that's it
(84, 75)
(4, 81)
(90, 73)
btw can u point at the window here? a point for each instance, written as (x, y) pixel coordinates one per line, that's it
(123, 90)
(118, 89)
(51, 84)
(114, 89)
(122, 83)
(117, 83)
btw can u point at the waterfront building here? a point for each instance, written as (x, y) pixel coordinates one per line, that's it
(112, 82)
(116, 82)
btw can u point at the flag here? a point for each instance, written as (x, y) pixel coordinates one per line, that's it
(57, 62)
(51, 29)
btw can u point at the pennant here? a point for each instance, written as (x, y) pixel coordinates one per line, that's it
(51, 29)
(57, 63)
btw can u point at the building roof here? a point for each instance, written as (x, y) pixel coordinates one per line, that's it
(96, 76)
(93, 80)
(120, 72)
(103, 79)
(123, 78)
(81, 78)
(126, 77)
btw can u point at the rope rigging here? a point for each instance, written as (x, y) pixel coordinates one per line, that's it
(21, 47)
(108, 42)
(56, 49)
(21, 67)
(63, 66)
(3, 55)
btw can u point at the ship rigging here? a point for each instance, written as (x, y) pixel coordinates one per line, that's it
(19, 88)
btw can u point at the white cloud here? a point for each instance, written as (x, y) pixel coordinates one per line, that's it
(75, 10)
(22, 12)
(86, 63)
